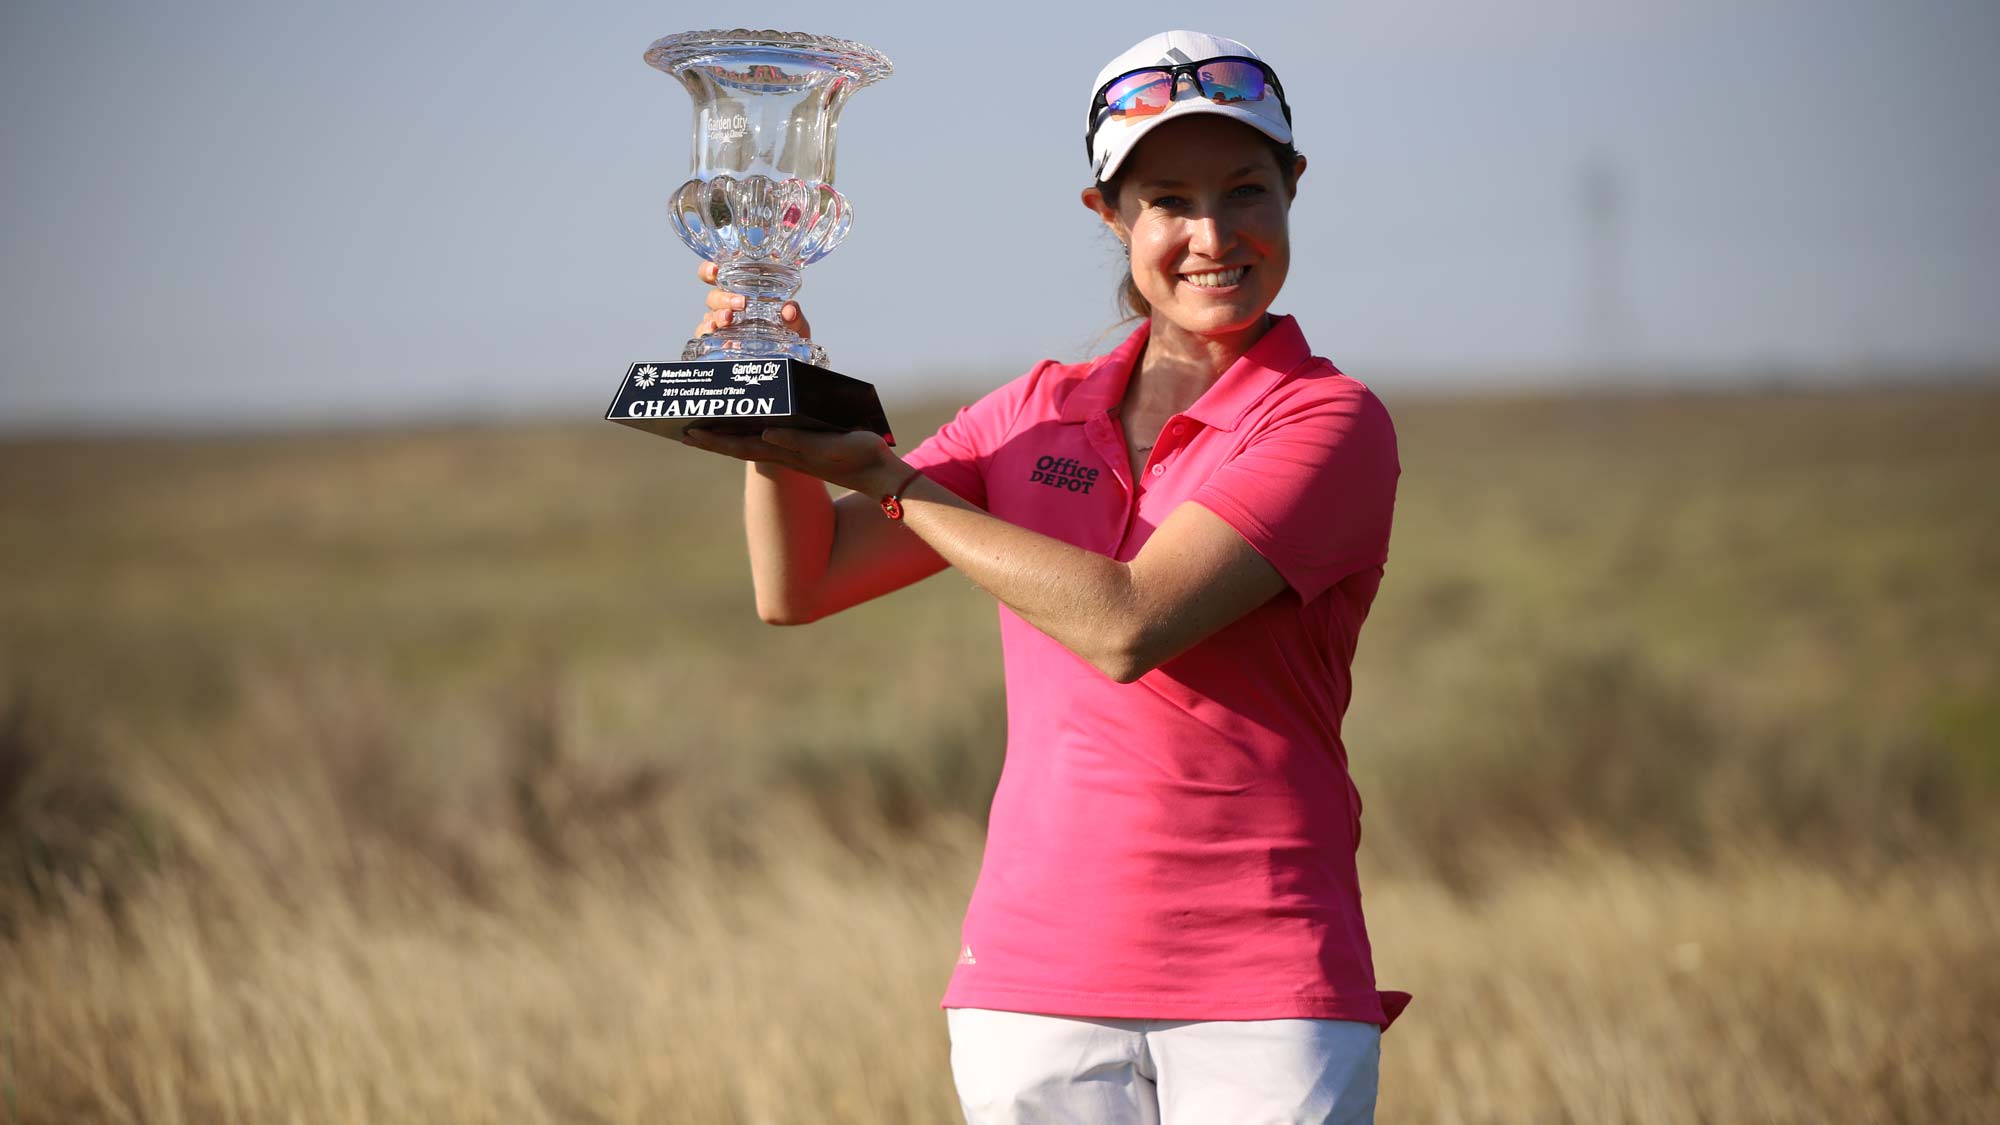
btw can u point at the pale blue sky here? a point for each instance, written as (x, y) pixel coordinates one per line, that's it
(233, 211)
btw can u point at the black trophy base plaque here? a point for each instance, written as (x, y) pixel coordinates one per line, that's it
(744, 396)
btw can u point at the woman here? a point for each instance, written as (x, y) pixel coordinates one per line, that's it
(1184, 537)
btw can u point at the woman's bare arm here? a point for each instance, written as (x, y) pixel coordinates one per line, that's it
(1194, 575)
(811, 555)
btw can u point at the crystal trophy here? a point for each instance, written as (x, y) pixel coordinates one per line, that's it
(759, 203)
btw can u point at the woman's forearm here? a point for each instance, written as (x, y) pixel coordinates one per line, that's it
(1084, 600)
(1079, 597)
(811, 555)
(788, 520)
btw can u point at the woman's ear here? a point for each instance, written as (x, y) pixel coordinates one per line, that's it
(1298, 173)
(1093, 198)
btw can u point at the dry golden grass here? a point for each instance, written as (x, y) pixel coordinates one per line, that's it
(448, 777)
(1597, 989)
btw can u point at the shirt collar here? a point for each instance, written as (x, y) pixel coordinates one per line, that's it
(1280, 350)
(1102, 389)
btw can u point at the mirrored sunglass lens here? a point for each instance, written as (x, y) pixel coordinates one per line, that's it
(1226, 82)
(1148, 91)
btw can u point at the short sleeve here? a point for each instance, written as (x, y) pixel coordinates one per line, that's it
(956, 456)
(1313, 488)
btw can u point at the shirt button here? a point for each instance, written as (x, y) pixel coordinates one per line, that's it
(1179, 428)
(1159, 469)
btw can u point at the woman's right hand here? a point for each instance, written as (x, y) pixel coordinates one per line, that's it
(723, 306)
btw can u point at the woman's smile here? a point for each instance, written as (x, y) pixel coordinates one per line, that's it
(1217, 281)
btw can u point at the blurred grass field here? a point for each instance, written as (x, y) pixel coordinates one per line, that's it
(447, 775)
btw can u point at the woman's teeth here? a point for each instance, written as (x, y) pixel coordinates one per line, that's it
(1219, 279)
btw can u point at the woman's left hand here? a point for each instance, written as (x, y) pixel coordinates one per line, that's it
(859, 461)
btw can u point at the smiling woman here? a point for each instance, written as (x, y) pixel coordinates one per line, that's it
(1259, 192)
(1183, 536)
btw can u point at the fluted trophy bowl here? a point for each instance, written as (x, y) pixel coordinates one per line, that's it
(759, 201)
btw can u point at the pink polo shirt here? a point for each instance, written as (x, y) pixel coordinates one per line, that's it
(1182, 847)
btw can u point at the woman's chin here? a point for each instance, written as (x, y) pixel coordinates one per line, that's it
(1213, 316)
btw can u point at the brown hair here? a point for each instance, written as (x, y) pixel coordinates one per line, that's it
(1133, 302)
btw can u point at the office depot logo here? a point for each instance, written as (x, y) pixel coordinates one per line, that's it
(1064, 473)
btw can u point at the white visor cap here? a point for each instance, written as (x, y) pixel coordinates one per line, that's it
(1117, 136)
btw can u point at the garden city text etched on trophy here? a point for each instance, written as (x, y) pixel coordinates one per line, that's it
(759, 203)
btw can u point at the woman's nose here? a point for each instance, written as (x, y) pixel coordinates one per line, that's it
(1209, 236)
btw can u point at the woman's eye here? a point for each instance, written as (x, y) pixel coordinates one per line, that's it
(1245, 190)
(1168, 201)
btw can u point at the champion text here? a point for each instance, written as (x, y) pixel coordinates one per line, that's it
(701, 407)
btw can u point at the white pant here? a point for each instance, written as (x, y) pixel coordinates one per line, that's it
(1017, 1068)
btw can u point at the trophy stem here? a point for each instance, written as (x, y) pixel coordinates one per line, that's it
(762, 310)
(768, 282)
(759, 329)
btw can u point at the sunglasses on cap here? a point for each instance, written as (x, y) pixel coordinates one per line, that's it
(1224, 80)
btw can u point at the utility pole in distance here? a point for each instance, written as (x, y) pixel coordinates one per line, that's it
(1601, 203)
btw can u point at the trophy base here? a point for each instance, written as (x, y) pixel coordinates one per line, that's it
(744, 395)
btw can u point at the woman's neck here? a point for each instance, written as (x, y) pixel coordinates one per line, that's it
(1177, 366)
